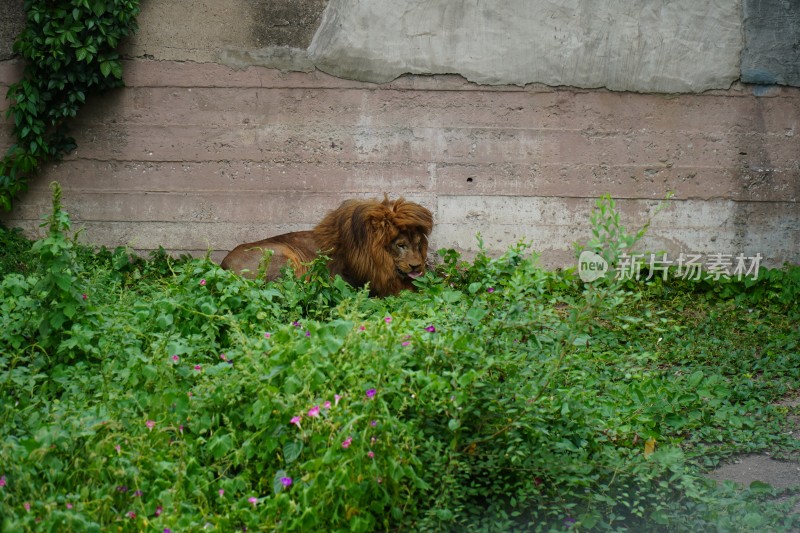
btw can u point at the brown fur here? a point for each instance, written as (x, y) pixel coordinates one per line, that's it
(383, 243)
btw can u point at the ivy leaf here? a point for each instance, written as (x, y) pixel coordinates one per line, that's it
(98, 8)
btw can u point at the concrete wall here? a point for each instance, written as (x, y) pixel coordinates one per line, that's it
(228, 132)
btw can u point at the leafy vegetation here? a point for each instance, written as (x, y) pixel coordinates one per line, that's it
(170, 395)
(70, 49)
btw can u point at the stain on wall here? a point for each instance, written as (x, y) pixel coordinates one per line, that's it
(11, 23)
(772, 42)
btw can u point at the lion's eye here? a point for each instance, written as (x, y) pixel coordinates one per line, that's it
(401, 245)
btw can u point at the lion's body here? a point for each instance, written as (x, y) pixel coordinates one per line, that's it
(383, 243)
(296, 248)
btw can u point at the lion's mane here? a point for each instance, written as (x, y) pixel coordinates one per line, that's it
(357, 237)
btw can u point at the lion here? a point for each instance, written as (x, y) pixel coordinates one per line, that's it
(380, 243)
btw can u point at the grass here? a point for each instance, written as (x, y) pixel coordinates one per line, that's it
(170, 395)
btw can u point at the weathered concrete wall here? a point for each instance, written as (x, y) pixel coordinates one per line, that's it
(627, 45)
(202, 152)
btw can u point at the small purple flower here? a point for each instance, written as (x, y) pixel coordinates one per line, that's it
(373, 423)
(175, 358)
(371, 454)
(223, 357)
(150, 424)
(431, 329)
(308, 333)
(314, 411)
(346, 443)
(167, 530)
(326, 405)
(137, 494)
(2, 481)
(296, 324)
(221, 492)
(202, 283)
(122, 488)
(336, 399)
(132, 515)
(253, 500)
(295, 420)
(69, 505)
(388, 320)
(490, 290)
(199, 368)
(286, 481)
(27, 506)
(159, 510)
(84, 297)
(569, 522)
(405, 343)
(267, 335)
(371, 393)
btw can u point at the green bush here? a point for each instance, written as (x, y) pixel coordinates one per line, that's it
(172, 395)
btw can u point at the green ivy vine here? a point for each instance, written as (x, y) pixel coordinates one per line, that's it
(70, 49)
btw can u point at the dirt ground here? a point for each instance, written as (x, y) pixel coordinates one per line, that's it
(745, 469)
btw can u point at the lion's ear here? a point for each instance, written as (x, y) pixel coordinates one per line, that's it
(370, 222)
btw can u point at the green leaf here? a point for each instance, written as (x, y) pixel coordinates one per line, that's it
(99, 7)
(291, 451)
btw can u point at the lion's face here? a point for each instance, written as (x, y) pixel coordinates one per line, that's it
(409, 252)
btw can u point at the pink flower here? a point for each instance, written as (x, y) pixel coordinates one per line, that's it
(296, 421)
(84, 297)
(490, 290)
(131, 515)
(336, 399)
(150, 424)
(202, 282)
(199, 368)
(159, 510)
(314, 411)
(286, 481)
(223, 357)
(346, 443)
(405, 343)
(371, 393)
(69, 505)
(176, 358)
(267, 335)
(388, 320)
(253, 500)
(371, 454)
(221, 492)
(363, 328)
(2, 481)
(373, 423)
(27, 506)
(118, 448)
(430, 329)
(326, 405)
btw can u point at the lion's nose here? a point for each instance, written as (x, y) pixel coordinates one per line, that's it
(416, 268)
